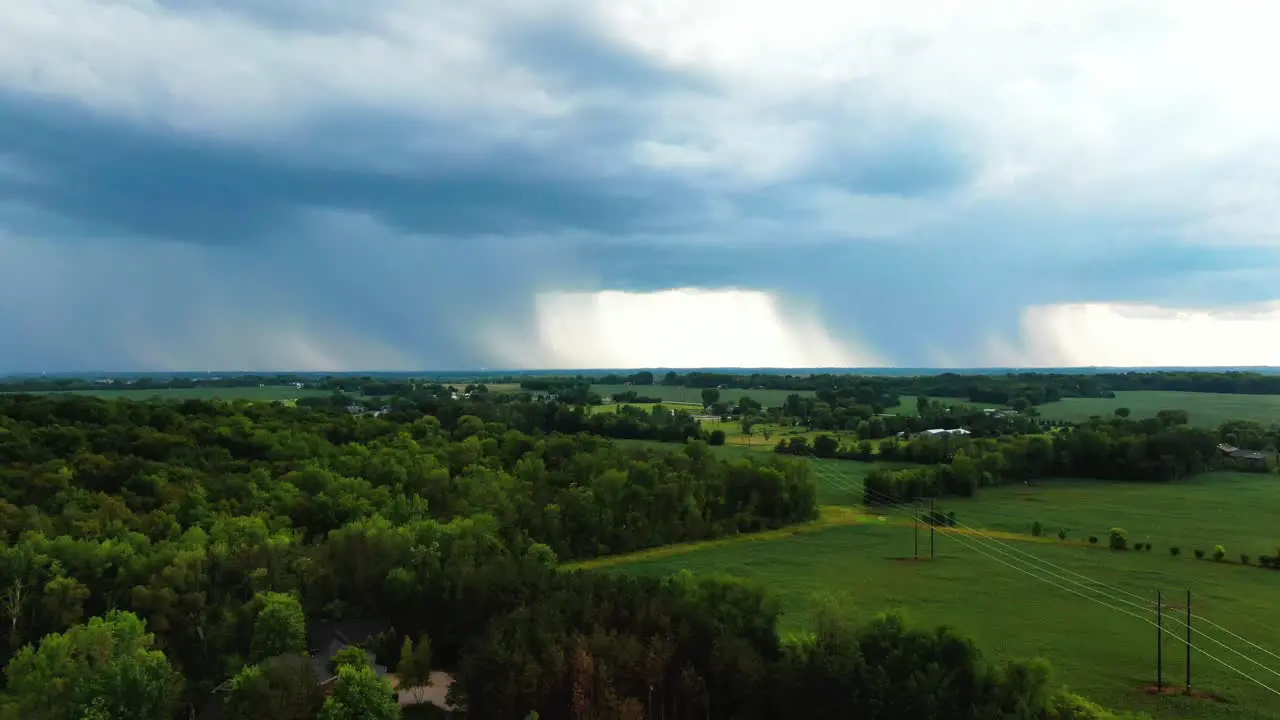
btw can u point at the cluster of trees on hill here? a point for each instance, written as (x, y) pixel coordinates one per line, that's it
(150, 552)
(825, 411)
(617, 647)
(185, 512)
(1152, 450)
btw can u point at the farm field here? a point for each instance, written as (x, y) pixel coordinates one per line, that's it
(1206, 409)
(1235, 510)
(647, 407)
(907, 404)
(764, 436)
(261, 394)
(1101, 652)
(1021, 610)
(768, 398)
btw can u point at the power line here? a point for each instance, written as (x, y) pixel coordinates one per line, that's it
(1091, 584)
(974, 545)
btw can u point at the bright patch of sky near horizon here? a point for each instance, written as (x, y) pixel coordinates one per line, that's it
(683, 328)
(269, 184)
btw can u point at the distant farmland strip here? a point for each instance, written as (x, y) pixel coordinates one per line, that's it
(1206, 409)
(768, 398)
(261, 394)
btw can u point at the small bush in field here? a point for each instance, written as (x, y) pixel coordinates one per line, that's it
(1175, 551)
(1062, 534)
(1093, 539)
(1219, 553)
(1199, 554)
(1244, 559)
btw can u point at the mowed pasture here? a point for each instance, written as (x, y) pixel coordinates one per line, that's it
(907, 405)
(768, 398)
(1206, 409)
(1013, 610)
(647, 407)
(1017, 605)
(1235, 510)
(258, 394)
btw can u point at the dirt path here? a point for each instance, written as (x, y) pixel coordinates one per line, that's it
(829, 516)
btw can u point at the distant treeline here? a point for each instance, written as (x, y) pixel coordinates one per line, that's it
(1032, 387)
(883, 391)
(1158, 449)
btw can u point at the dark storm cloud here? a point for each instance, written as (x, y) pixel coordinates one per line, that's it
(572, 54)
(152, 182)
(918, 160)
(368, 226)
(292, 15)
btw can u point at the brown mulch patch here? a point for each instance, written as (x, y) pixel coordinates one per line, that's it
(1170, 691)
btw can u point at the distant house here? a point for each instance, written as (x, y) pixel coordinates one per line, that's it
(325, 640)
(1251, 459)
(941, 432)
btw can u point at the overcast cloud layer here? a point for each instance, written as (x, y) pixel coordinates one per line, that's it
(331, 185)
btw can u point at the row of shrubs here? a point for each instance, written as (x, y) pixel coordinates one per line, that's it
(1118, 539)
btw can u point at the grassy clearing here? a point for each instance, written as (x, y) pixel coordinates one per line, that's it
(647, 407)
(768, 398)
(907, 404)
(765, 436)
(497, 387)
(1235, 510)
(259, 394)
(1016, 611)
(831, 516)
(1099, 651)
(1206, 409)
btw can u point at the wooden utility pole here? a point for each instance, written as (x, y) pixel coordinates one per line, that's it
(1159, 643)
(916, 514)
(1188, 641)
(933, 522)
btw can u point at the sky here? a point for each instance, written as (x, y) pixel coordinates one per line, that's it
(420, 184)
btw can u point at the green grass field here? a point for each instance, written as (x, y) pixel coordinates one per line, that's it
(1101, 652)
(1206, 409)
(260, 394)
(1016, 609)
(1227, 508)
(907, 404)
(647, 407)
(768, 398)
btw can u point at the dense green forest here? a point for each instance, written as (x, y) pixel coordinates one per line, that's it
(157, 557)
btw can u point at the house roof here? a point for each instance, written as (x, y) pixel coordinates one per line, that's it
(327, 638)
(213, 709)
(1252, 454)
(350, 632)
